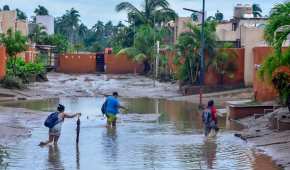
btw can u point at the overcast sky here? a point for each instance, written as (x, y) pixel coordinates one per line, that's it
(93, 10)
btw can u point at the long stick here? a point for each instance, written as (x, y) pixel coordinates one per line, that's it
(78, 129)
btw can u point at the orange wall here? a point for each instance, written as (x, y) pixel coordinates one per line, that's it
(2, 62)
(30, 55)
(212, 78)
(263, 91)
(121, 65)
(77, 63)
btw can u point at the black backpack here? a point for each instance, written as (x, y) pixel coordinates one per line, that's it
(51, 120)
(104, 107)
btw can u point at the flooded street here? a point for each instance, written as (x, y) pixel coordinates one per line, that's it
(156, 134)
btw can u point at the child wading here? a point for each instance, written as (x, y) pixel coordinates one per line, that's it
(111, 108)
(209, 118)
(54, 123)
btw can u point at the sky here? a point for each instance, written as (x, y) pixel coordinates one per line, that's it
(93, 10)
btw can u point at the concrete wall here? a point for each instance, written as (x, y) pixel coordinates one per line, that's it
(263, 91)
(22, 26)
(121, 65)
(77, 63)
(8, 20)
(2, 62)
(47, 22)
(252, 37)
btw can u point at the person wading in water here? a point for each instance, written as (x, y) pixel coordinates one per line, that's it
(54, 123)
(209, 118)
(111, 107)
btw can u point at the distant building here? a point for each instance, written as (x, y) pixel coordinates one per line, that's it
(47, 22)
(8, 20)
(243, 11)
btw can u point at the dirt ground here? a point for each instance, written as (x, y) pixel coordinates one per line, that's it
(89, 85)
(273, 142)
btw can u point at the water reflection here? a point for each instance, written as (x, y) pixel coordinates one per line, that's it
(209, 150)
(54, 158)
(78, 157)
(110, 145)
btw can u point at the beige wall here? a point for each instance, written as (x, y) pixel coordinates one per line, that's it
(252, 37)
(181, 26)
(224, 32)
(22, 26)
(8, 19)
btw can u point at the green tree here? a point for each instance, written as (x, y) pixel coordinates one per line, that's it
(194, 16)
(68, 25)
(153, 12)
(41, 10)
(188, 50)
(59, 41)
(145, 48)
(257, 10)
(277, 28)
(276, 32)
(37, 34)
(14, 43)
(224, 63)
(20, 14)
(6, 8)
(219, 16)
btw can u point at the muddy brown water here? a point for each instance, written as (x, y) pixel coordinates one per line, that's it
(156, 134)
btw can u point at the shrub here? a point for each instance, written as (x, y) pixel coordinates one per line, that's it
(25, 71)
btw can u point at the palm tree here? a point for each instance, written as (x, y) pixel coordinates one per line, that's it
(219, 16)
(41, 10)
(276, 32)
(38, 34)
(277, 28)
(20, 14)
(194, 16)
(6, 8)
(224, 62)
(188, 50)
(153, 12)
(68, 24)
(257, 10)
(144, 49)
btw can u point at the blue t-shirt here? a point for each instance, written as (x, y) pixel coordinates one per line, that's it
(112, 105)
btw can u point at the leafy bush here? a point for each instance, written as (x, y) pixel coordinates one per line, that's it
(12, 82)
(25, 71)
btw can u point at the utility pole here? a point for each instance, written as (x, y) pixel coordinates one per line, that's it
(202, 51)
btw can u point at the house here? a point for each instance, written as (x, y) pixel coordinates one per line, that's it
(8, 20)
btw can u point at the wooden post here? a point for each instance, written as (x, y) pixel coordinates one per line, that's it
(78, 129)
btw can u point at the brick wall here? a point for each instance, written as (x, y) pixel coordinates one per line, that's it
(121, 64)
(77, 63)
(263, 91)
(2, 62)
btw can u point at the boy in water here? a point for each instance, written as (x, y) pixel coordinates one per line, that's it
(112, 109)
(209, 118)
(55, 131)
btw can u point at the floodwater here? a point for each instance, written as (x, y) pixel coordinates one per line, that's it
(156, 134)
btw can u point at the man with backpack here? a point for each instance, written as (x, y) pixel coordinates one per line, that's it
(209, 118)
(110, 109)
(54, 123)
